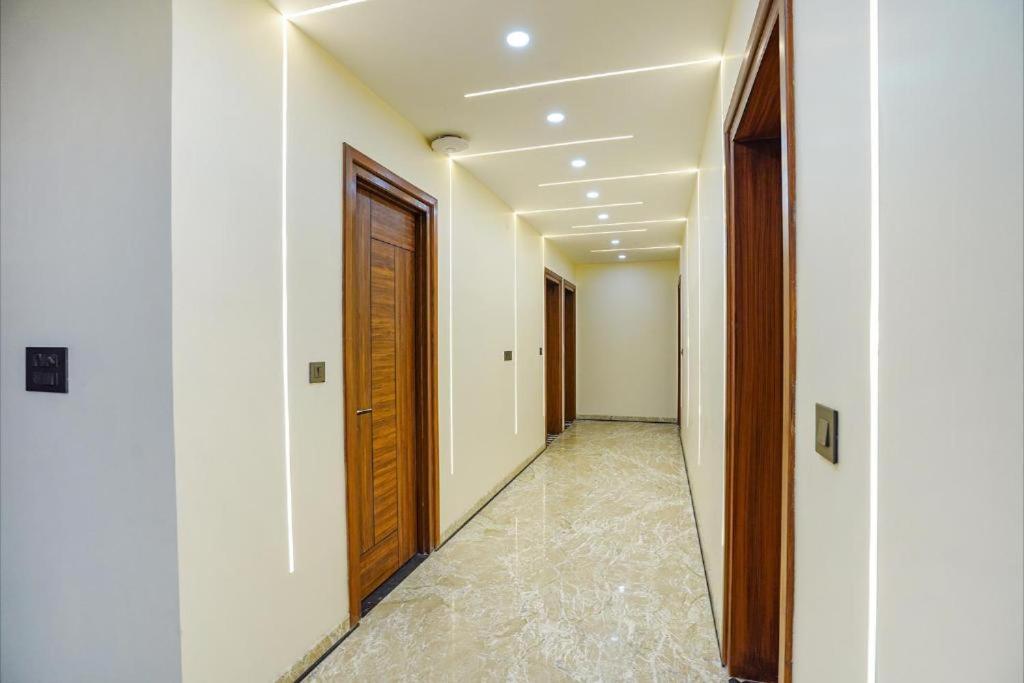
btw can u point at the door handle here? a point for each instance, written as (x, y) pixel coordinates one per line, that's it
(364, 411)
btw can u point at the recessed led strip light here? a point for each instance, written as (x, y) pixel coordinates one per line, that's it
(618, 177)
(590, 77)
(323, 8)
(667, 246)
(570, 143)
(588, 234)
(608, 225)
(579, 208)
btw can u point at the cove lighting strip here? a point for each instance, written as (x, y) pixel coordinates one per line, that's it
(284, 296)
(588, 234)
(590, 77)
(451, 317)
(323, 8)
(617, 177)
(531, 148)
(578, 208)
(608, 225)
(873, 337)
(666, 246)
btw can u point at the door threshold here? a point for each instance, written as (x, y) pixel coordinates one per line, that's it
(382, 591)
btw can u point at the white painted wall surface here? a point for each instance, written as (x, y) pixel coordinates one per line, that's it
(830, 619)
(626, 339)
(951, 482)
(235, 585)
(88, 566)
(556, 261)
(703, 427)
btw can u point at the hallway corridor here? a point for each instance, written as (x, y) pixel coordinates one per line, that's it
(586, 566)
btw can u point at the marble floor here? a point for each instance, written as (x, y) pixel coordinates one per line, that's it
(586, 567)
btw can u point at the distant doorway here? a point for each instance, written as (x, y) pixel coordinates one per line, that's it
(389, 296)
(569, 350)
(554, 416)
(760, 354)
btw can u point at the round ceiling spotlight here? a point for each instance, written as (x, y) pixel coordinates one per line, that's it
(615, 243)
(449, 144)
(518, 39)
(578, 163)
(622, 257)
(556, 117)
(602, 216)
(593, 194)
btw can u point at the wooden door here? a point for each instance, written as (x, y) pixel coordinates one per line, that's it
(554, 417)
(569, 350)
(385, 417)
(389, 306)
(760, 354)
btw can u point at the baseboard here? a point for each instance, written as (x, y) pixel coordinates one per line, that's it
(626, 418)
(700, 546)
(322, 648)
(489, 496)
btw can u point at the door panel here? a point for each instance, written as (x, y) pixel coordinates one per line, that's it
(387, 478)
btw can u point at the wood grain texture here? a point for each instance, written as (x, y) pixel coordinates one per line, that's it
(760, 173)
(554, 417)
(569, 349)
(392, 490)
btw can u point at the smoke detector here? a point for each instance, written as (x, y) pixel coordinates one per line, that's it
(449, 144)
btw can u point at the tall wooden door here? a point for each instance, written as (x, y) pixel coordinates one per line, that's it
(554, 415)
(385, 341)
(569, 350)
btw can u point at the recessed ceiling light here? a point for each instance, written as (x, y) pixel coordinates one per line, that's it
(602, 216)
(518, 39)
(614, 242)
(622, 257)
(578, 163)
(556, 117)
(593, 194)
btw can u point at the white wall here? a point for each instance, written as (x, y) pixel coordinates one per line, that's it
(88, 567)
(236, 590)
(951, 521)
(703, 428)
(833, 285)
(556, 261)
(626, 339)
(950, 363)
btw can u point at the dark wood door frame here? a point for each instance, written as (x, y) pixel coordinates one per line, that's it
(362, 172)
(569, 350)
(748, 132)
(679, 351)
(554, 418)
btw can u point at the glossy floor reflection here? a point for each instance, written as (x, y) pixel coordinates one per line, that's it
(586, 567)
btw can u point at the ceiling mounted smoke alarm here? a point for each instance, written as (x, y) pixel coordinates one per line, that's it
(449, 144)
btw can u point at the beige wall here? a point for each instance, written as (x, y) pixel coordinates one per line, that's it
(951, 334)
(626, 338)
(703, 263)
(88, 563)
(243, 615)
(937, 401)
(556, 261)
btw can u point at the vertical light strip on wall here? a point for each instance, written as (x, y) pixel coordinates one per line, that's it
(284, 293)
(515, 323)
(451, 316)
(872, 653)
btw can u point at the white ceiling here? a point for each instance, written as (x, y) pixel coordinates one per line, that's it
(422, 56)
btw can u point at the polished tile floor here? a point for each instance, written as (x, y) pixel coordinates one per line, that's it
(586, 567)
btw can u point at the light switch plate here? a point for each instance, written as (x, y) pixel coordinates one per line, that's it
(826, 432)
(317, 372)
